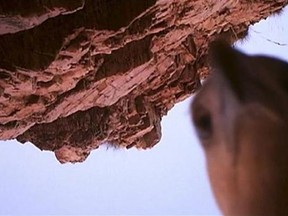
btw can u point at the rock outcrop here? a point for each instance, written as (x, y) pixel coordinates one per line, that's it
(76, 74)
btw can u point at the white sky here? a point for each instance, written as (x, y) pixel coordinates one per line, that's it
(168, 179)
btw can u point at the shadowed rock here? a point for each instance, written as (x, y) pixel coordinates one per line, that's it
(77, 74)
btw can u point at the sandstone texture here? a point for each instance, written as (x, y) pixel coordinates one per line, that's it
(80, 73)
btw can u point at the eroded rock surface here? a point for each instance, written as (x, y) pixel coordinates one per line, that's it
(76, 74)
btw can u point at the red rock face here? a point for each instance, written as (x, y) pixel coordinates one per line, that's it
(76, 74)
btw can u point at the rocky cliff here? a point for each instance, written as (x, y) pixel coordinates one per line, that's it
(76, 74)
